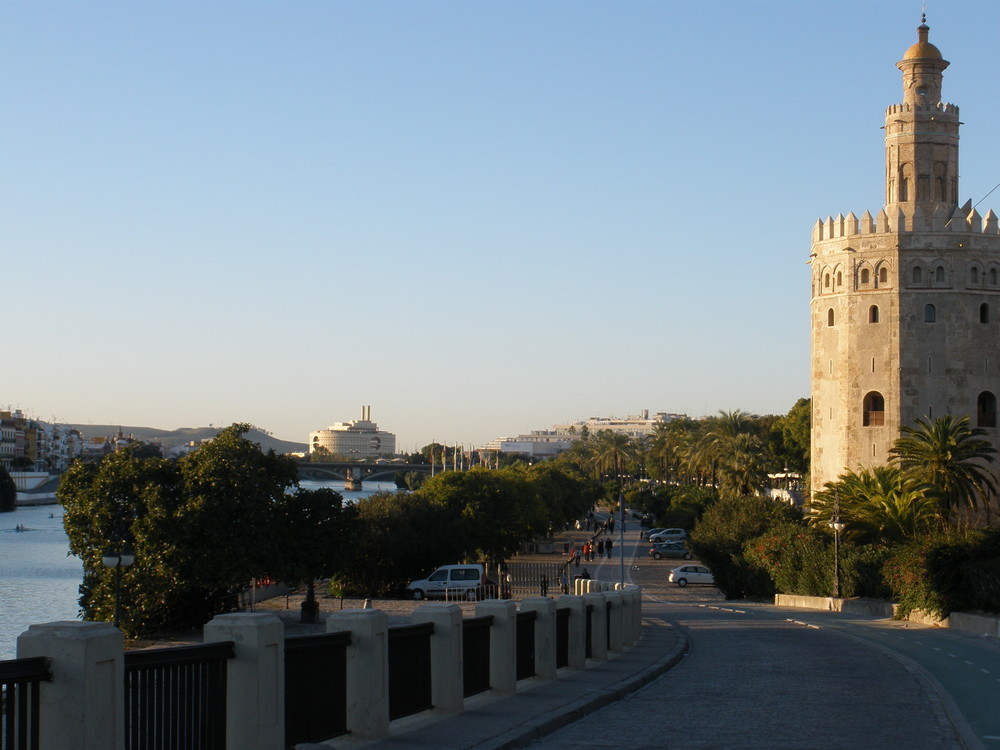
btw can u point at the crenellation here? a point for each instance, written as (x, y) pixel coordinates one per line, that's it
(852, 224)
(990, 223)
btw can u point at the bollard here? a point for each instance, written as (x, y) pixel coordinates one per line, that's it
(545, 634)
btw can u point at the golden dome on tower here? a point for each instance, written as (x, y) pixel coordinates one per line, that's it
(922, 50)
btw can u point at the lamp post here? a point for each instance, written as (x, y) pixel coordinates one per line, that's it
(119, 559)
(837, 525)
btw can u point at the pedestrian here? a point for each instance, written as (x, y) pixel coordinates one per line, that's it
(586, 551)
(611, 524)
(600, 548)
(585, 575)
(607, 546)
(564, 581)
(576, 559)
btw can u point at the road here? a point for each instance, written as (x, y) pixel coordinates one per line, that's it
(757, 676)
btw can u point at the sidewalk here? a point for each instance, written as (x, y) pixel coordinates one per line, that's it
(540, 706)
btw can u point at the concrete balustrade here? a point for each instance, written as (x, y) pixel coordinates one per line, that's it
(545, 634)
(82, 707)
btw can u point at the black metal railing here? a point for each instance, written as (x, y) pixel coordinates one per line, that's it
(476, 655)
(315, 687)
(19, 698)
(588, 639)
(525, 645)
(562, 637)
(175, 698)
(409, 648)
(607, 622)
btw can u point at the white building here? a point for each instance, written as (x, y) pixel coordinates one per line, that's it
(358, 439)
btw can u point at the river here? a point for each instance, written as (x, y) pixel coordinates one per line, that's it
(39, 579)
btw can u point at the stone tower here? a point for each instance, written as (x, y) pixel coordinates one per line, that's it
(905, 304)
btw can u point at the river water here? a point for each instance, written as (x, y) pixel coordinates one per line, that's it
(39, 579)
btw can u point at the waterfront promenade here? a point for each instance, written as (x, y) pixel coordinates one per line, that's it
(708, 675)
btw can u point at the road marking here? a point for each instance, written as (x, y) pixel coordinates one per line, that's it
(935, 648)
(984, 671)
(968, 662)
(953, 656)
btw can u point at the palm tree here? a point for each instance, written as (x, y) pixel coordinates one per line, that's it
(612, 451)
(732, 452)
(948, 455)
(878, 505)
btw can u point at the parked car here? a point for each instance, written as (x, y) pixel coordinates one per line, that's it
(669, 549)
(466, 581)
(668, 535)
(686, 574)
(646, 533)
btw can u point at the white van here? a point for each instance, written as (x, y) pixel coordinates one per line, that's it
(453, 582)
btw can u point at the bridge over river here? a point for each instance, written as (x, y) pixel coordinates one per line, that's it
(354, 473)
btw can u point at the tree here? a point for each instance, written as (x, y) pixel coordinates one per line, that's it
(796, 435)
(948, 457)
(312, 527)
(882, 505)
(8, 492)
(200, 527)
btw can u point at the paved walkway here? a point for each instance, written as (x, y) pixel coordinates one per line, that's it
(706, 675)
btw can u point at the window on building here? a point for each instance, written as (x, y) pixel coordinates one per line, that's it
(974, 275)
(840, 278)
(864, 275)
(883, 275)
(904, 189)
(993, 277)
(874, 410)
(829, 317)
(930, 314)
(984, 313)
(939, 274)
(873, 314)
(918, 275)
(826, 281)
(986, 410)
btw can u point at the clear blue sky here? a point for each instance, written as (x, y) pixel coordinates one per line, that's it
(480, 217)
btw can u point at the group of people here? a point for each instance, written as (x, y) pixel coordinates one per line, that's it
(591, 549)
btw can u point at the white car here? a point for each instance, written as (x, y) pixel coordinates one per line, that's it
(467, 582)
(686, 574)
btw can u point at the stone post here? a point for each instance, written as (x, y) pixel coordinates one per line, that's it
(367, 670)
(447, 687)
(255, 683)
(83, 706)
(545, 634)
(598, 626)
(503, 638)
(577, 630)
(615, 621)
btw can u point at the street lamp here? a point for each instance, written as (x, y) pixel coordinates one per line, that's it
(837, 525)
(119, 559)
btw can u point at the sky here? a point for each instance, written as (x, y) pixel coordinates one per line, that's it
(480, 217)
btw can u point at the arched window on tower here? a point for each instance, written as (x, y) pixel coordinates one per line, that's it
(883, 275)
(939, 275)
(840, 278)
(873, 410)
(986, 410)
(974, 275)
(930, 314)
(864, 275)
(939, 194)
(826, 281)
(904, 189)
(829, 317)
(984, 313)
(873, 314)
(918, 275)
(993, 277)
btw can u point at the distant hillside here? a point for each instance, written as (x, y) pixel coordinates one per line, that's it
(173, 438)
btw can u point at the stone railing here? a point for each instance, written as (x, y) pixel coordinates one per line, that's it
(82, 706)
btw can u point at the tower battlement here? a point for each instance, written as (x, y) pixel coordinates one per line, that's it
(943, 108)
(965, 219)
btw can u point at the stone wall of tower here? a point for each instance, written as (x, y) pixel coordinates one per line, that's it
(871, 335)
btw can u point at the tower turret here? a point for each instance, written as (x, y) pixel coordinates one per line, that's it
(921, 137)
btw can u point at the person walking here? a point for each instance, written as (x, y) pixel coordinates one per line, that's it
(600, 548)
(607, 546)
